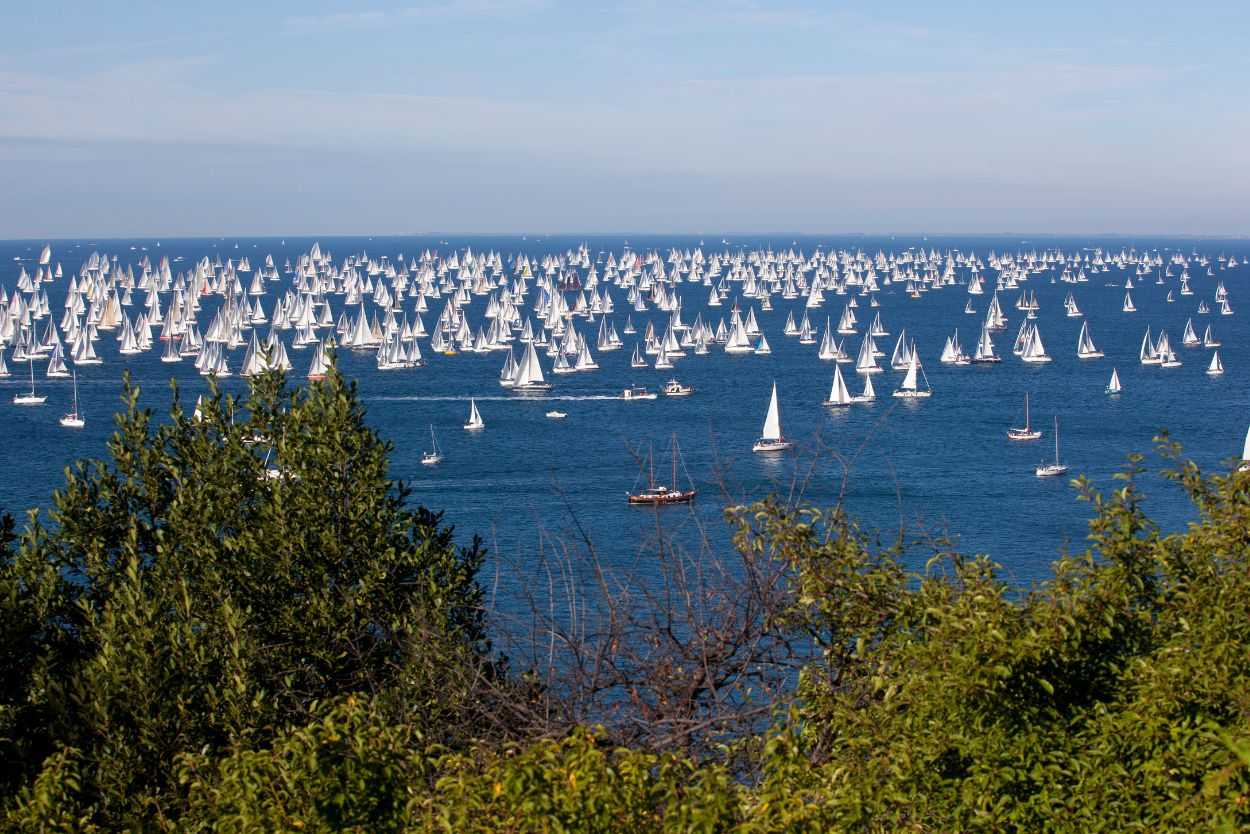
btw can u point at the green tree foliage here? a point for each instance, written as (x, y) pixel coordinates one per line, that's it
(222, 572)
(237, 625)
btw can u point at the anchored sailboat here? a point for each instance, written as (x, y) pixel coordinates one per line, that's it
(1049, 470)
(435, 455)
(656, 494)
(1025, 433)
(771, 439)
(74, 420)
(32, 398)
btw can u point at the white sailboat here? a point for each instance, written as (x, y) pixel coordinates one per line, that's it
(1085, 348)
(1128, 304)
(909, 389)
(1216, 368)
(435, 455)
(475, 418)
(32, 398)
(1245, 454)
(1026, 433)
(636, 361)
(985, 348)
(74, 420)
(839, 394)
(869, 394)
(771, 438)
(1113, 387)
(1034, 351)
(529, 377)
(1049, 470)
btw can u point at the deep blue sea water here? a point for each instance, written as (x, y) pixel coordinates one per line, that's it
(942, 465)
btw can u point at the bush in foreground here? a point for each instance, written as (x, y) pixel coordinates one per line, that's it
(236, 624)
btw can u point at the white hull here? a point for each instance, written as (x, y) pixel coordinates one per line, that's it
(29, 399)
(778, 445)
(1050, 470)
(72, 421)
(913, 395)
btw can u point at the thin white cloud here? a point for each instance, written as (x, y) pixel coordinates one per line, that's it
(440, 12)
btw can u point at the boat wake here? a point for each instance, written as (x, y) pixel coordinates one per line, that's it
(544, 398)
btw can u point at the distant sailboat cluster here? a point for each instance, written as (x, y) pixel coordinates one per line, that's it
(565, 313)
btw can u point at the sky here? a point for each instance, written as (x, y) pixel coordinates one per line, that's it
(528, 116)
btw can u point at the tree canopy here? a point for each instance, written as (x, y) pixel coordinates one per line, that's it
(236, 622)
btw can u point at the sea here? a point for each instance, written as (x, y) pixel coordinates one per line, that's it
(938, 472)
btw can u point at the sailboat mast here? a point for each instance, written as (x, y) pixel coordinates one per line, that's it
(674, 461)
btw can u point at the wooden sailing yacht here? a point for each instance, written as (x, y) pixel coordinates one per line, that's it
(1025, 433)
(656, 494)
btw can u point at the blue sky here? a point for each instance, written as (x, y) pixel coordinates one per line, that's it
(321, 117)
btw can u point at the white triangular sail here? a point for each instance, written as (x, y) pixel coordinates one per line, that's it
(772, 422)
(839, 394)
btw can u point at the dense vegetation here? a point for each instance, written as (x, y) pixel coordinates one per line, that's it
(237, 623)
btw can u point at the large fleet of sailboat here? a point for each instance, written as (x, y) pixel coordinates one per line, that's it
(551, 315)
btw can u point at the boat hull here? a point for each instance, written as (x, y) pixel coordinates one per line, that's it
(666, 497)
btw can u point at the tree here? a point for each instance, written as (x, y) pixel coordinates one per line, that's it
(218, 575)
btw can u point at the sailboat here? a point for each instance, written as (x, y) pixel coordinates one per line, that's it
(475, 419)
(656, 494)
(1025, 433)
(771, 439)
(909, 389)
(1085, 348)
(74, 420)
(435, 455)
(32, 398)
(529, 374)
(1049, 470)
(1245, 454)
(839, 394)
(1113, 387)
(1129, 307)
(868, 395)
(1216, 368)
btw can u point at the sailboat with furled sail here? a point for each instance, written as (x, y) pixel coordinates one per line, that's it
(32, 398)
(1026, 433)
(656, 494)
(771, 438)
(1050, 470)
(74, 420)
